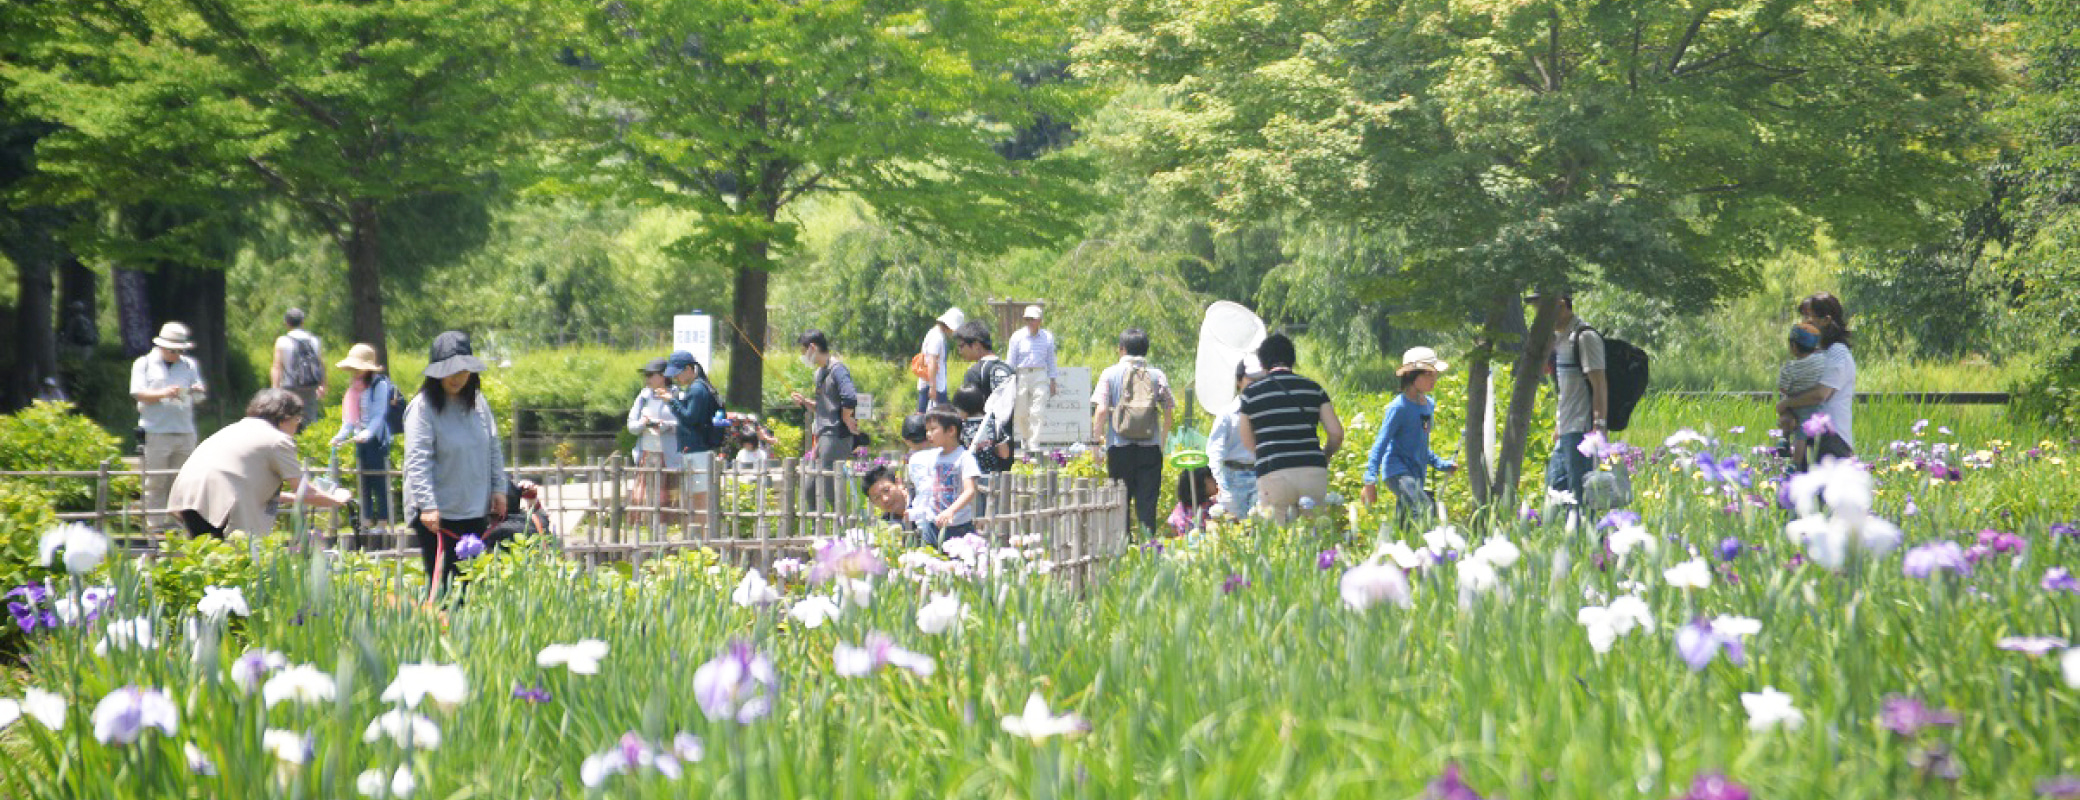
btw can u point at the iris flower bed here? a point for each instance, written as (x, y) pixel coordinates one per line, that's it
(1868, 631)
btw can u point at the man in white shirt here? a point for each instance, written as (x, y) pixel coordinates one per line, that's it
(1032, 353)
(299, 366)
(166, 385)
(931, 391)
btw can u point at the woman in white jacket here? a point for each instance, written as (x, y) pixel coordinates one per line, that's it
(656, 454)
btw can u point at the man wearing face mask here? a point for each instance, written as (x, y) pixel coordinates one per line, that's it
(832, 407)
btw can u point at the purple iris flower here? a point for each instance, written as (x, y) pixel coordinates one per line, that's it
(1234, 582)
(534, 695)
(2065, 529)
(1528, 514)
(1929, 559)
(2002, 541)
(1906, 716)
(1450, 786)
(1920, 426)
(1723, 470)
(1714, 786)
(1729, 548)
(2060, 579)
(2061, 787)
(1326, 559)
(1619, 519)
(468, 547)
(1697, 643)
(29, 614)
(1817, 425)
(1943, 472)
(737, 685)
(843, 559)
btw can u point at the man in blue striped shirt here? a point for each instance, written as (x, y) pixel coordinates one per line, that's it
(1279, 416)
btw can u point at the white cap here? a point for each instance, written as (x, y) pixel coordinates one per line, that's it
(1032, 312)
(1421, 358)
(953, 318)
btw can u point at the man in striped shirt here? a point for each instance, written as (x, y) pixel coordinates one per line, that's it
(1279, 416)
(1031, 352)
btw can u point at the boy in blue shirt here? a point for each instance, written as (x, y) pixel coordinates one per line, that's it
(1401, 453)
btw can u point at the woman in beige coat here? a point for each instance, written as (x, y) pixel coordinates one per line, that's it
(235, 475)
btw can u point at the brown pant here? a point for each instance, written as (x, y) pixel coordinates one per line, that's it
(1280, 493)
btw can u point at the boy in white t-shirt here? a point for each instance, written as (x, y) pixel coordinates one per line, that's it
(947, 472)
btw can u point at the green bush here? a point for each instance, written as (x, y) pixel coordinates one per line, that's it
(2053, 393)
(25, 513)
(190, 563)
(48, 436)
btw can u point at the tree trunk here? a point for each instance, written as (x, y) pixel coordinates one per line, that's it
(1473, 442)
(748, 330)
(35, 328)
(1524, 380)
(135, 324)
(365, 277)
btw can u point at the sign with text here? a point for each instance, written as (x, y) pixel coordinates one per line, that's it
(695, 333)
(1068, 417)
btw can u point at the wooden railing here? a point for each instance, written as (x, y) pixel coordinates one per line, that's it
(751, 514)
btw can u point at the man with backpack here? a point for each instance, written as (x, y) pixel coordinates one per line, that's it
(1132, 405)
(299, 366)
(1579, 375)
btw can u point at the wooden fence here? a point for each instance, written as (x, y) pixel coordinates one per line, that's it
(751, 514)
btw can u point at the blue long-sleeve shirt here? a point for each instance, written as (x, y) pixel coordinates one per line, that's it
(695, 406)
(1403, 444)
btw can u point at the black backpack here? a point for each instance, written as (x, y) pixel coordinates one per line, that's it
(304, 369)
(1625, 371)
(710, 436)
(393, 417)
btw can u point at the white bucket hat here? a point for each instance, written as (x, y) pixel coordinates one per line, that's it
(173, 336)
(1032, 312)
(953, 319)
(1421, 358)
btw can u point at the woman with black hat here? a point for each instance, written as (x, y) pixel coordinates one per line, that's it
(657, 436)
(454, 475)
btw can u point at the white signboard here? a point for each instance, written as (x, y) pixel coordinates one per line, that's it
(695, 333)
(1068, 417)
(865, 409)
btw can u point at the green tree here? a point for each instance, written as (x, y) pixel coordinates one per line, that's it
(334, 107)
(1555, 144)
(736, 109)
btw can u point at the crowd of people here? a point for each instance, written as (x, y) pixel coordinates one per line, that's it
(1268, 453)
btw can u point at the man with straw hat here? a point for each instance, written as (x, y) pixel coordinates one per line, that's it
(166, 384)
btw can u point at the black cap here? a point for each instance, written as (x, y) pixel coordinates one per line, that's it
(655, 367)
(913, 429)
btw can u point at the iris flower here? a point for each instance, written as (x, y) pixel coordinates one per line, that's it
(247, 670)
(581, 657)
(812, 612)
(218, 603)
(879, 650)
(1371, 583)
(123, 716)
(445, 683)
(406, 728)
(941, 615)
(2059, 579)
(2034, 646)
(468, 547)
(1604, 624)
(753, 590)
(1906, 716)
(633, 753)
(1037, 723)
(737, 685)
(302, 683)
(1703, 640)
(1929, 559)
(84, 547)
(38, 704)
(1770, 708)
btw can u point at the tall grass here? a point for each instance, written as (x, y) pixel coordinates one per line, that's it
(1272, 690)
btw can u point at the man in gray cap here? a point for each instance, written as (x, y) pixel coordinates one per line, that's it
(166, 384)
